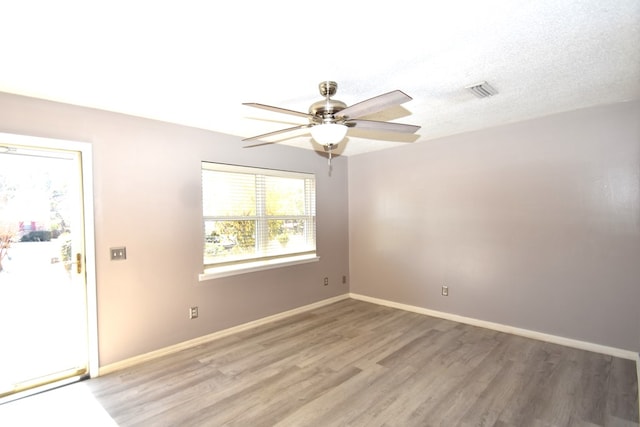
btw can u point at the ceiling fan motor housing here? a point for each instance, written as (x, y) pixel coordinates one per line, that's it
(324, 111)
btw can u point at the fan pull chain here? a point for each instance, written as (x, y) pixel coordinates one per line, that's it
(329, 157)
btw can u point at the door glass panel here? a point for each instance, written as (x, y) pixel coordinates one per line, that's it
(43, 310)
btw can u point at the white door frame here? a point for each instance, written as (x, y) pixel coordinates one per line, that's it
(86, 155)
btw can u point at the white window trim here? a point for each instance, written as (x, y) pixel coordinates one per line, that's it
(243, 267)
(251, 267)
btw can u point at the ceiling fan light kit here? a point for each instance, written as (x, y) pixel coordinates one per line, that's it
(328, 133)
(330, 119)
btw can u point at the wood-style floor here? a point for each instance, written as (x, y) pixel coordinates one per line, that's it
(354, 363)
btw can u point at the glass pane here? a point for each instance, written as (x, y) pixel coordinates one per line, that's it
(285, 196)
(229, 240)
(290, 236)
(228, 194)
(42, 297)
(251, 213)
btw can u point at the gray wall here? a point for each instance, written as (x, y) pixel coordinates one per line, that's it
(147, 198)
(534, 225)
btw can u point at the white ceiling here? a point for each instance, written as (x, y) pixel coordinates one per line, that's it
(195, 62)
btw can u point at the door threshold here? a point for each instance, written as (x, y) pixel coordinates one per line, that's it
(40, 385)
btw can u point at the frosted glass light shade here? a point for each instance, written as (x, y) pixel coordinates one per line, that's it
(328, 133)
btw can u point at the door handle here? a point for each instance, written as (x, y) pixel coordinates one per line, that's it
(79, 262)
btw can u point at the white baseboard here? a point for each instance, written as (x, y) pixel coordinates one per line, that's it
(568, 342)
(583, 345)
(216, 335)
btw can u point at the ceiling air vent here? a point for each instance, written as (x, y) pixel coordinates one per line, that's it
(482, 90)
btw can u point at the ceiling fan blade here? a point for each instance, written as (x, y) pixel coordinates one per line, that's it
(277, 132)
(259, 144)
(276, 109)
(375, 104)
(382, 126)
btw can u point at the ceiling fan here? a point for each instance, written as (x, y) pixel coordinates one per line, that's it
(329, 119)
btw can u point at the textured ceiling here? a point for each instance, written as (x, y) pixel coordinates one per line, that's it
(195, 62)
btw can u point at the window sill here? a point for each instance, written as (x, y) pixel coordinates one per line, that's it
(232, 270)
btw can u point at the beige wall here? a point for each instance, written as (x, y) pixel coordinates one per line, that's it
(147, 198)
(533, 225)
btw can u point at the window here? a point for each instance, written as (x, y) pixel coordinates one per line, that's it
(256, 217)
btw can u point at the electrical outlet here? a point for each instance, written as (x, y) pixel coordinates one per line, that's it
(193, 312)
(344, 279)
(445, 291)
(118, 254)
(326, 281)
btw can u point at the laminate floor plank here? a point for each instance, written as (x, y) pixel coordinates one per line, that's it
(508, 382)
(457, 383)
(354, 364)
(533, 388)
(622, 392)
(594, 372)
(371, 346)
(292, 396)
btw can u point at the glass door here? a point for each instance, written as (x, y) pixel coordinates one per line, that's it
(44, 332)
